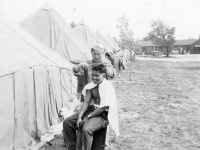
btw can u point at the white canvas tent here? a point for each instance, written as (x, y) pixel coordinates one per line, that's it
(112, 42)
(47, 25)
(35, 82)
(103, 40)
(85, 33)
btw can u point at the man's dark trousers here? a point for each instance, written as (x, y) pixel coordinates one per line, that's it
(84, 137)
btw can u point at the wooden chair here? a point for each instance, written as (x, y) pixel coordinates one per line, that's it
(99, 138)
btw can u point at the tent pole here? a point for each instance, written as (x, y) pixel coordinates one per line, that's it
(61, 86)
(14, 110)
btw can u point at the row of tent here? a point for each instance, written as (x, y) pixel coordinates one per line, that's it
(74, 44)
(36, 78)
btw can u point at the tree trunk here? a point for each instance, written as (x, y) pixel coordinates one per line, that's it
(167, 55)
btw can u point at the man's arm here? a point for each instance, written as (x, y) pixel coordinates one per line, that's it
(85, 103)
(98, 111)
(79, 66)
(84, 108)
(111, 72)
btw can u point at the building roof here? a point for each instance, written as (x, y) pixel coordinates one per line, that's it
(177, 42)
(185, 42)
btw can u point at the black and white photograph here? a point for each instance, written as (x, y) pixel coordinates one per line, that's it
(99, 74)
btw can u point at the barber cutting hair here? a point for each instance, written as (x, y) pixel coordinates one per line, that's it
(84, 70)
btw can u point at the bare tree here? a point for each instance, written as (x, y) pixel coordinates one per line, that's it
(126, 39)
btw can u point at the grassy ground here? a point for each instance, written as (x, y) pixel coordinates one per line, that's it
(159, 109)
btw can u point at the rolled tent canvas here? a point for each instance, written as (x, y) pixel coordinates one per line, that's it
(47, 25)
(32, 87)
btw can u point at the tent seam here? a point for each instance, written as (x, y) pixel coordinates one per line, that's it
(35, 102)
(33, 66)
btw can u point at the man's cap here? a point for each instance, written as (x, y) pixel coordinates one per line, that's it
(99, 47)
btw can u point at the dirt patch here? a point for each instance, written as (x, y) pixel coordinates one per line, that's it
(161, 107)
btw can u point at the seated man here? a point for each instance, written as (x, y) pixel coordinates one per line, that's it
(99, 107)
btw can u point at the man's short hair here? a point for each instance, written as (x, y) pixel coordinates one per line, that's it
(98, 47)
(101, 68)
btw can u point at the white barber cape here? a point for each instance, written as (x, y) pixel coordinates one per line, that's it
(108, 98)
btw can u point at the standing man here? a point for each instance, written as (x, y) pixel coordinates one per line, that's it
(84, 70)
(99, 107)
(131, 59)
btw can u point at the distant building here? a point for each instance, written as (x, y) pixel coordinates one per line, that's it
(148, 46)
(180, 46)
(195, 47)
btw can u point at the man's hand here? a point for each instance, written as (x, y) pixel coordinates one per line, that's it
(80, 68)
(83, 64)
(85, 119)
(79, 123)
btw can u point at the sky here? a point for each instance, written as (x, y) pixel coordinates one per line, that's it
(184, 15)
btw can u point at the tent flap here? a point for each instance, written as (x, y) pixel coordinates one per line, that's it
(42, 100)
(25, 114)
